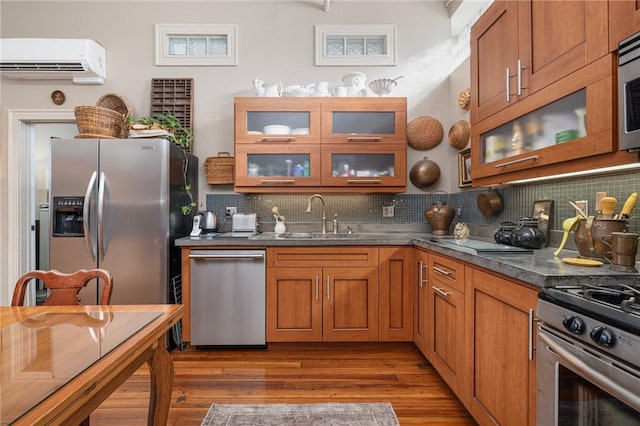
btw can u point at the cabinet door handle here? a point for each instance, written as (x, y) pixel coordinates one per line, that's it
(442, 271)
(420, 273)
(520, 68)
(364, 139)
(519, 160)
(440, 291)
(277, 181)
(508, 91)
(532, 321)
(364, 181)
(278, 139)
(317, 282)
(328, 287)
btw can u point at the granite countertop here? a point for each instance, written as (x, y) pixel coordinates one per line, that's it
(540, 268)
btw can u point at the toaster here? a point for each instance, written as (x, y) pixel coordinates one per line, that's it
(244, 222)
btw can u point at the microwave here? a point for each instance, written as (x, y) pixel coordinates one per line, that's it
(629, 93)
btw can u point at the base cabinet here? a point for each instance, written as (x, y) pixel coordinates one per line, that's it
(396, 294)
(446, 318)
(322, 294)
(421, 293)
(500, 368)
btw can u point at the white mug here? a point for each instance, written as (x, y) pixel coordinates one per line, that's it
(341, 91)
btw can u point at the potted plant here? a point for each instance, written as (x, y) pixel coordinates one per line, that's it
(177, 134)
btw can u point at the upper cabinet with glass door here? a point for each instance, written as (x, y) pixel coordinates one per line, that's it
(277, 120)
(520, 47)
(329, 144)
(544, 103)
(368, 120)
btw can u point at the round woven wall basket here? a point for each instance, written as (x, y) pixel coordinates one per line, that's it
(424, 133)
(459, 134)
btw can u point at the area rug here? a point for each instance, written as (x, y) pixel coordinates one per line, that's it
(332, 414)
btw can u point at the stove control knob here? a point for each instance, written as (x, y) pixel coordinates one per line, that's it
(573, 324)
(603, 337)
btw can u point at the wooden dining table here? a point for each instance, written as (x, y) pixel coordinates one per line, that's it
(58, 363)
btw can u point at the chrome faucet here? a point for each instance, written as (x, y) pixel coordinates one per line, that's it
(324, 211)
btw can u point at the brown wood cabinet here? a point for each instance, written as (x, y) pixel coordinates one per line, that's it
(555, 62)
(446, 318)
(328, 144)
(624, 20)
(322, 294)
(421, 294)
(499, 370)
(524, 46)
(396, 294)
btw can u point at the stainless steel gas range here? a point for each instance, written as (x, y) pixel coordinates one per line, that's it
(589, 355)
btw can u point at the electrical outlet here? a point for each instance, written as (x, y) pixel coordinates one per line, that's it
(388, 211)
(230, 211)
(584, 205)
(459, 211)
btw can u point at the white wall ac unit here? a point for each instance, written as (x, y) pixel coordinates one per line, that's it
(81, 60)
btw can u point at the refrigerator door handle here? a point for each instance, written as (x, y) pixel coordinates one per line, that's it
(101, 189)
(86, 228)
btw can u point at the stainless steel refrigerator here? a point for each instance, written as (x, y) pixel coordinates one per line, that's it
(117, 204)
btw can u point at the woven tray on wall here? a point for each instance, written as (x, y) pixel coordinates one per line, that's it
(175, 96)
(220, 170)
(424, 133)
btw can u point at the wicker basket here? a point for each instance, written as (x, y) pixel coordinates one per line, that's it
(424, 133)
(97, 122)
(219, 169)
(117, 103)
(459, 134)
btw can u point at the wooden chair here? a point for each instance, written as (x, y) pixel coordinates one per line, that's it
(63, 288)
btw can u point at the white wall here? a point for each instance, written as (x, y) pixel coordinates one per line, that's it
(276, 42)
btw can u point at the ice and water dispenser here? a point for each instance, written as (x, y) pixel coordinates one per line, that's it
(67, 216)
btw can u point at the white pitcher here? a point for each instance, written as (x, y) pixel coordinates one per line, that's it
(256, 87)
(272, 90)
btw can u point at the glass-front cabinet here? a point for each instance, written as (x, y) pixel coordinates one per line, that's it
(328, 144)
(559, 122)
(382, 165)
(266, 166)
(376, 120)
(568, 126)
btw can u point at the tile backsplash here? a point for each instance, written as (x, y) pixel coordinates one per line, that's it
(409, 208)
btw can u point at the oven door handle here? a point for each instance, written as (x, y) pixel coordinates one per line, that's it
(595, 377)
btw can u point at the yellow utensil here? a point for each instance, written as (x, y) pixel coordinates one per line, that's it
(628, 206)
(567, 227)
(609, 206)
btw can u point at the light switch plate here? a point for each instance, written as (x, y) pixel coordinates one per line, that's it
(388, 211)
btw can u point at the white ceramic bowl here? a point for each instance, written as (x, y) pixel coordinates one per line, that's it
(382, 86)
(276, 129)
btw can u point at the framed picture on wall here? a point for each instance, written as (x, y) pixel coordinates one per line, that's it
(464, 168)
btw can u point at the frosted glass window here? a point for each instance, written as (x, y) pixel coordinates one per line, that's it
(196, 44)
(197, 47)
(355, 45)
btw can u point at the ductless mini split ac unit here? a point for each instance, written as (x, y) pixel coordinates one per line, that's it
(81, 60)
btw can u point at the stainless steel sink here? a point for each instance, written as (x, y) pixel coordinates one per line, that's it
(308, 235)
(320, 236)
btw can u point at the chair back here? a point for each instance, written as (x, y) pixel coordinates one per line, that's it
(64, 288)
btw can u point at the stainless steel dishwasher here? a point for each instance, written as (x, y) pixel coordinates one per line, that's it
(228, 296)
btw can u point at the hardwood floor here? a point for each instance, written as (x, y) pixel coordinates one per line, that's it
(296, 373)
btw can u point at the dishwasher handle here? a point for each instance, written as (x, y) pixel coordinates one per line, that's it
(226, 256)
